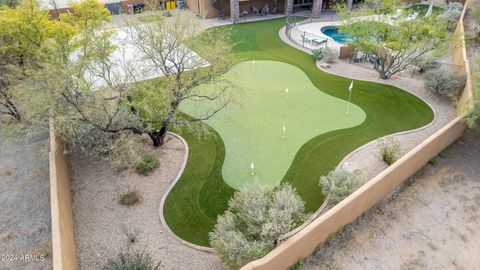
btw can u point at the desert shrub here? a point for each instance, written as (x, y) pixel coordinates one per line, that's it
(444, 83)
(147, 163)
(253, 223)
(129, 197)
(327, 54)
(389, 150)
(124, 151)
(132, 260)
(337, 185)
(432, 162)
(317, 54)
(131, 233)
(429, 65)
(454, 6)
(427, 62)
(451, 18)
(473, 115)
(476, 15)
(330, 55)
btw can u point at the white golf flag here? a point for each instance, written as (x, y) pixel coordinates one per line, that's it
(350, 88)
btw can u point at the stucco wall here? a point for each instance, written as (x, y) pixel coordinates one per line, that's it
(206, 9)
(304, 242)
(307, 240)
(63, 243)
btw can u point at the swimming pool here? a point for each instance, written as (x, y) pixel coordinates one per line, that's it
(332, 31)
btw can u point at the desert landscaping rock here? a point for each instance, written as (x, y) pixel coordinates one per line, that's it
(101, 222)
(366, 160)
(432, 223)
(25, 223)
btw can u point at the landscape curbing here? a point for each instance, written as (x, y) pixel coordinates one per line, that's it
(164, 198)
(389, 135)
(323, 207)
(293, 44)
(307, 241)
(452, 128)
(315, 215)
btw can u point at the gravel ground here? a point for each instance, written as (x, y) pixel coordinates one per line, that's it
(432, 223)
(25, 222)
(366, 160)
(100, 221)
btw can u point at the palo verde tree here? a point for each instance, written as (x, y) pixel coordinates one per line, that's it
(24, 29)
(173, 47)
(100, 98)
(395, 41)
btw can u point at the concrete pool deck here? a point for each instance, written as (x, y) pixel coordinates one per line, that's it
(313, 31)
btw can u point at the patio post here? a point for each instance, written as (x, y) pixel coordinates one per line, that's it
(234, 10)
(317, 8)
(288, 7)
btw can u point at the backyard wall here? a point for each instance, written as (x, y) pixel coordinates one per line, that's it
(63, 244)
(306, 241)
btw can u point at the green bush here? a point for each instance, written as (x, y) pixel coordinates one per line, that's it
(432, 162)
(132, 260)
(451, 18)
(327, 54)
(337, 185)
(473, 115)
(445, 83)
(255, 219)
(129, 197)
(146, 164)
(389, 151)
(317, 54)
(330, 55)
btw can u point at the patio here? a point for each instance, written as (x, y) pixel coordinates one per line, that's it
(247, 18)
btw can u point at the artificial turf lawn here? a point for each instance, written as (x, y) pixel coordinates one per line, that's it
(252, 127)
(201, 194)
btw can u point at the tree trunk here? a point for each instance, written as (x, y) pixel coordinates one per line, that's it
(384, 76)
(158, 136)
(12, 110)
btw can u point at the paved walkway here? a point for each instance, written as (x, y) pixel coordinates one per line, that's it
(432, 223)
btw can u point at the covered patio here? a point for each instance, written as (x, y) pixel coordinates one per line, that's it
(240, 9)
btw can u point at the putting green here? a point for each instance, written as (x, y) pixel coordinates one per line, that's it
(252, 127)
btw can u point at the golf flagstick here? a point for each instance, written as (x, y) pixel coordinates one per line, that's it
(350, 88)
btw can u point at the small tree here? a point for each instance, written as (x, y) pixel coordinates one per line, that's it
(9, 77)
(24, 29)
(394, 45)
(317, 54)
(253, 223)
(171, 45)
(337, 185)
(445, 83)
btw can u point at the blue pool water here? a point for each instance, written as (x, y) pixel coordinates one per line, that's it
(332, 31)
